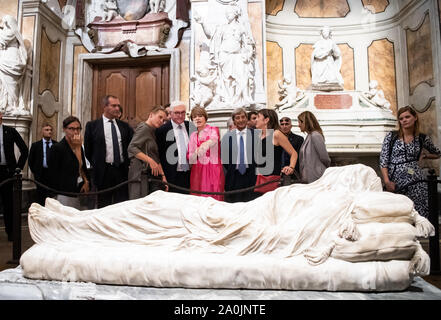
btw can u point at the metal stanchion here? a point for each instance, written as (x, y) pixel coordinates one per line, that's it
(16, 218)
(433, 218)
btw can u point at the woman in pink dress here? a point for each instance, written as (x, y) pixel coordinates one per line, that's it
(204, 156)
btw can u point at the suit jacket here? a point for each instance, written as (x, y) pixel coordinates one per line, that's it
(35, 160)
(165, 139)
(95, 146)
(64, 167)
(229, 159)
(11, 137)
(314, 158)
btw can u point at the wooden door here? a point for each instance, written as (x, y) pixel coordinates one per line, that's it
(138, 87)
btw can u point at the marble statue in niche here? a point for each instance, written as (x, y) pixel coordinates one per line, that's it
(326, 62)
(232, 51)
(13, 66)
(289, 94)
(376, 95)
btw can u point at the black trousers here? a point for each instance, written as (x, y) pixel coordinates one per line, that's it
(43, 193)
(240, 182)
(182, 179)
(112, 177)
(6, 195)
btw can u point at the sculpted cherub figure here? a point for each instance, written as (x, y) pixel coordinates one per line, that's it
(289, 93)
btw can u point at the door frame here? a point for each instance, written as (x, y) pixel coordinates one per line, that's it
(86, 61)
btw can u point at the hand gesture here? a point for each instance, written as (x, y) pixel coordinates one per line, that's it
(154, 166)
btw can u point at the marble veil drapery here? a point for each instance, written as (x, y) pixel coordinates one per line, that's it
(338, 233)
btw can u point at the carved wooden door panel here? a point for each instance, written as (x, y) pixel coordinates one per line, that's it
(139, 89)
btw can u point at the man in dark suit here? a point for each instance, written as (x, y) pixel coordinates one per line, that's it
(172, 139)
(238, 158)
(296, 141)
(8, 163)
(105, 142)
(39, 159)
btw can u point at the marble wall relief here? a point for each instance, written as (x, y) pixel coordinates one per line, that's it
(274, 58)
(428, 125)
(49, 65)
(381, 61)
(273, 7)
(375, 6)
(322, 8)
(419, 55)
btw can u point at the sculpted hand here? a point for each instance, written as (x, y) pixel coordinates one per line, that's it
(197, 18)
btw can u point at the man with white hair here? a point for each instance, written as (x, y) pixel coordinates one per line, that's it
(172, 139)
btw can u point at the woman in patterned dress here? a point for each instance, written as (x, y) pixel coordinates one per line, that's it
(399, 158)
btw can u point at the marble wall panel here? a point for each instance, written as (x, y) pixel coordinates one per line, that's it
(255, 17)
(419, 55)
(27, 29)
(375, 6)
(347, 68)
(49, 65)
(303, 65)
(428, 125)
(381, 60)
(9, 7)
(272, 7)
(322, 8)
(43, 118)
(274, 58)
(77, 51)
(184, 48)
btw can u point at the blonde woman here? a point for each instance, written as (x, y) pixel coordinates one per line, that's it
(313, 157)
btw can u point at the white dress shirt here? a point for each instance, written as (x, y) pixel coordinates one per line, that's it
(109, 141)
(182, 154)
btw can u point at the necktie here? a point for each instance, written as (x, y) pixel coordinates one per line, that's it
(182, 162)
(116, 155)
(47, 153)
(242, 168)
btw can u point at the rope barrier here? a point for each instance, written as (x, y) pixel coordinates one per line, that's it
(93, 193)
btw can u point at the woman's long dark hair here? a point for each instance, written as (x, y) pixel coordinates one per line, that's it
(273, 122)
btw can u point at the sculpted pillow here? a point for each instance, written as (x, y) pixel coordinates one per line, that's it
(380, 242)
(382, 207)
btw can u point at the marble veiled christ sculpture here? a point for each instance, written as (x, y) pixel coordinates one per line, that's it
(341, 232)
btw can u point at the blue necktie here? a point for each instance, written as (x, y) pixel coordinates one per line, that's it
(242, 168)
(116, 155)
(46, 159)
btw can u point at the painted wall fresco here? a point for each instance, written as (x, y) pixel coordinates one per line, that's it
(375, 6)
(322, 8)
(272, 7)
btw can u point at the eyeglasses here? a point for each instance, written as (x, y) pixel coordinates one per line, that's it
(74, 128)
(179, 113)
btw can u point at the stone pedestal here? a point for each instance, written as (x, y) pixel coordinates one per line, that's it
(352, 126)
(219, 118)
